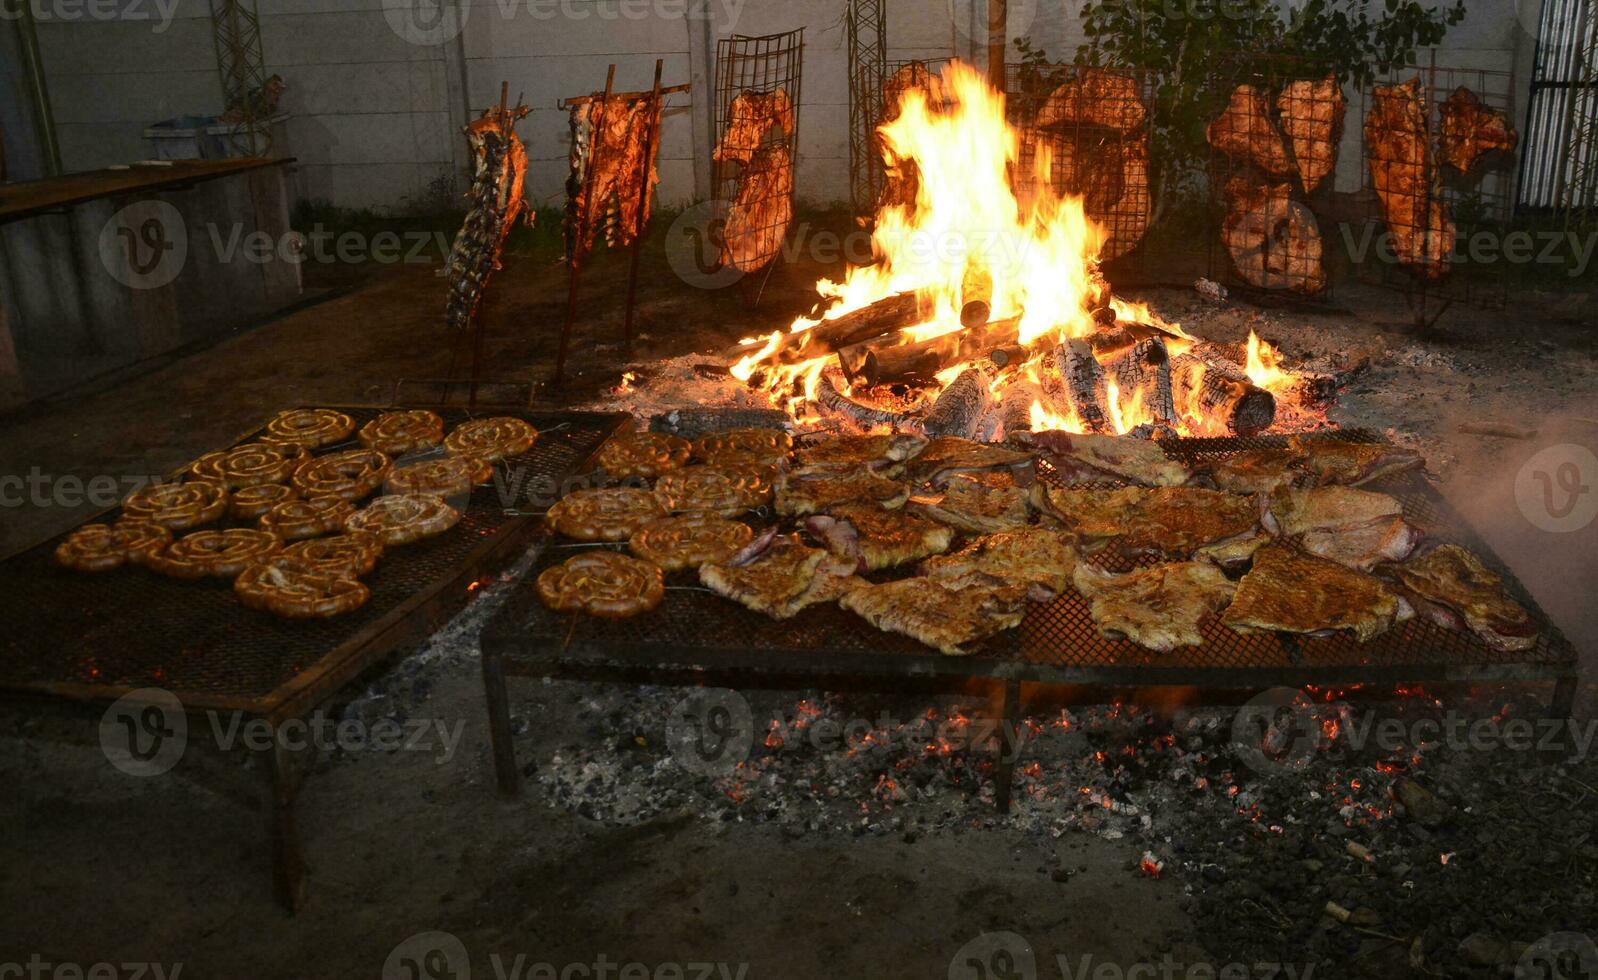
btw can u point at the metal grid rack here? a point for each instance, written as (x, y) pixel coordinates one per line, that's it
(866, 25)
(753, 164)
(1269, 192)
(1092, 128)
(1467, 204)
(695, 634)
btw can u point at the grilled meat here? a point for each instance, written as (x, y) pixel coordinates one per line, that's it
(1352, 463)
(1257, 471)
(499, 167)
(1352, 527)
(948, 614)
(778, 576)
(949, 455)
(1399, 150)
(750, 118)
(1090, 458)
(760, 212)
(1157, 607)
(1312, 118)
(800, 495)
(1245, 130)
(1039, 559)
(874, 538)
(902, 177)
(1164, 520)
(1449, 584)
(1471, 128)
(848, 454)
(1290, 592)
(1274, 241)
(1095, 97)
(980, 503)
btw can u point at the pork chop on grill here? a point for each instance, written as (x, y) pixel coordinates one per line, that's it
(1158, 608)
(950, 455)
(1352, 463)
(848, 454)
(1162, 520)
(1090, 458)
(1037, 558)
(874, 538)
(1290, 592)
(799, 495)
(948, 614)
(778, 576)
(1356, 528)
(979, 503)
(1449, 584)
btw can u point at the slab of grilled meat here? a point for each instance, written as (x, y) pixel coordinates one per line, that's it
(1257, 471)
(950, 456)
(1290, 592)
(778, 576)
(874, 538)
(1329, 461)
(847, 454)
(1039, 559)
(1158, 608)
(1451, 586)
(979, 503)
(1161, 520)
(800, 494)
(949, 614)
(1090, 458)
(1352, 527)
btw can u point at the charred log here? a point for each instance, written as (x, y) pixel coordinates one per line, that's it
(1143, 372)
(959, 409)
(1008, 355)
(1073, 379)
(1217, 397)
(830, 396)
(879, 363)
(1015, 407)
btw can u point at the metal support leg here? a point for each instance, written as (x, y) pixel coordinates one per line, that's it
(288, 768)
(503, 744)
(1004, 767)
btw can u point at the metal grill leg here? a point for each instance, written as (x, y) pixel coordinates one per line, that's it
(504, 746)
(1004, 766)
(288, 767)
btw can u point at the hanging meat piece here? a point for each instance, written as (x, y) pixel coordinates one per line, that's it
(1095, 97)
(1274, 241)
(759, 216)
(903, 177)
(1400, 157)
(499, 166)
(610, 138)
(1471, 128)
(1245, 131)
(750, 118)
(1312, 117)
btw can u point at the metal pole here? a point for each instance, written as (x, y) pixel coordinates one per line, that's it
(43, 114)
(998, 28)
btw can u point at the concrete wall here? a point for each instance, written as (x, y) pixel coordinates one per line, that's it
(16, 116)
(378, 100)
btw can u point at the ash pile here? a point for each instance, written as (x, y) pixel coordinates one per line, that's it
(1369, 837)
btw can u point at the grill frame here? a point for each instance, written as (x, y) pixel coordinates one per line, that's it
(422, 585)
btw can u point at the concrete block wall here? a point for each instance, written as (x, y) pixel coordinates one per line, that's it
(377, 103)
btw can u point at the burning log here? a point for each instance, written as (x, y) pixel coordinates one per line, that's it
(830, 396)
(690, 423)
(959, 409)
(1015, 408)
(1218, 394)
(1143, 371)
(1073, 379)
(1008, 355)
(872, 364)
(867, 323)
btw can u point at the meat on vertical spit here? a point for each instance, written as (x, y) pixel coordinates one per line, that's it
(903, 178)
(1275, 242)
(499, 166)
(1471, 128)
(759, 216)
(1312, 118)
(610, 138)
(1400, 155)
(750, 117)
(1093, 129)
(1245, 130)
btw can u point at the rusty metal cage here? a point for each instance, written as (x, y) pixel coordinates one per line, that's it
(755, 122)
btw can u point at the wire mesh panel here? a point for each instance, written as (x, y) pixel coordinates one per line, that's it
(756, 122)
(1273, 154)
(1085, 131)
(695, 630)
(92, 636)
(1438, 153)
(866, 25)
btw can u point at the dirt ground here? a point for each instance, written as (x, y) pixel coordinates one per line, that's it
(99, 867)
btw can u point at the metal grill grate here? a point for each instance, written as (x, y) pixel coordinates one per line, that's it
(91, 636)
(1057, 642)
